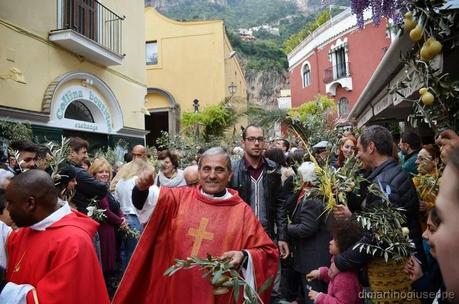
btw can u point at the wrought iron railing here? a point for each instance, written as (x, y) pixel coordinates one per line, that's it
(92, 19)
(337, 71)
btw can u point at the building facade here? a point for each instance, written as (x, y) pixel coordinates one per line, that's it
(188, 64)
(337, 60)
(74, 68)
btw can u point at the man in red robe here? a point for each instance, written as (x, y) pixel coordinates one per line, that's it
(209, 219)
(52, 258)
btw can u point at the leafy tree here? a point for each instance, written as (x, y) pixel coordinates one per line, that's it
(212, 122)
(310, 27)
(11, 130)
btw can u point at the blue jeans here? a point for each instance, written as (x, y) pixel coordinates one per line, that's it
(128, 245)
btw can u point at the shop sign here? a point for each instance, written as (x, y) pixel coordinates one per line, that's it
(81, 93)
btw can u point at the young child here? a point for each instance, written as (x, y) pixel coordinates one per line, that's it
(344, 288)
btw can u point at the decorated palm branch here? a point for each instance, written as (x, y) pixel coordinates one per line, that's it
(428, 184)
(334, 185)
(223, 276)
(386, 224)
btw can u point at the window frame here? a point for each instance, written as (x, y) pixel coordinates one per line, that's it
(303, 73)
(341, 101)
(151, 42)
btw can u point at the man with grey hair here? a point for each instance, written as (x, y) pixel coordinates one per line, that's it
(202, 221)
(191, 174)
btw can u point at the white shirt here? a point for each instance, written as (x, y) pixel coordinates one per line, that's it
(123, 194)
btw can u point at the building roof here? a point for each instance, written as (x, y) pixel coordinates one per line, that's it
(331, 29)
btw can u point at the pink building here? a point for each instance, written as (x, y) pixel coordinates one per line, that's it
(337, 60)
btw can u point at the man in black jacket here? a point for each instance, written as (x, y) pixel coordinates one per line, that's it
(87, 186)
(258, 181)
(375, 151)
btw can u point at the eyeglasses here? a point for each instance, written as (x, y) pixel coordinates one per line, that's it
(253, 139)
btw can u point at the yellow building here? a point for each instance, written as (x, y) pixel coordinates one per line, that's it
(187, 61)
(74, 68)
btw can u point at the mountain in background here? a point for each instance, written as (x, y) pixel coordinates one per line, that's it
(271, 22)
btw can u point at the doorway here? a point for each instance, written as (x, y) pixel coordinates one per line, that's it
(155, 123)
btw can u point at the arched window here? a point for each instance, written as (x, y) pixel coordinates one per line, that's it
(306, 74)
(78, 111)
(343, 106)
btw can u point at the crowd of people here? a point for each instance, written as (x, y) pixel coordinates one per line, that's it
(70, 236)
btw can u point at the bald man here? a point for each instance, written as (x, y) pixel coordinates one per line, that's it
(191, 174)
(139, 151)
(51, 258)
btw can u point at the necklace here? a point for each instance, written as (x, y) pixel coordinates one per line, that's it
(17, 267)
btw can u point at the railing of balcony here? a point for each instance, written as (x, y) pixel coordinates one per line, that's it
(337, 71)
(93, 20)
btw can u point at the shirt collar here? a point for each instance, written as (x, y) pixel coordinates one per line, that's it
(52, 218)
(248, 165)
(224, 197)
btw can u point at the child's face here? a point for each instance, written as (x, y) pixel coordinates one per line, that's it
(333, 247)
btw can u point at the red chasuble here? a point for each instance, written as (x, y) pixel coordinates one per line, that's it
(186, 223)
(59, 262)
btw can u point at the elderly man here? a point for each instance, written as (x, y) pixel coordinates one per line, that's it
(138, 151)
(195, 221)
(191, 174)
(51, 258)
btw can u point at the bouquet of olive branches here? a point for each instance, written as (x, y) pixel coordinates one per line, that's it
(127, 232)
(94, 212)
(222, 275)
(386, 225)
(60, 153)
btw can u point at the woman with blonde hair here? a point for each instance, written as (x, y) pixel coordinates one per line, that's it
(127, 176)
(102, 171)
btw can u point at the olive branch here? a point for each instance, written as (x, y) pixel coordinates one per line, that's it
(223, 276)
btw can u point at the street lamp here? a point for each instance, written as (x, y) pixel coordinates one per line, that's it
(232, 88)
(196, 105)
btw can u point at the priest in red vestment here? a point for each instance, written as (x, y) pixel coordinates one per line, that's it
(195, 221)
(51, 259)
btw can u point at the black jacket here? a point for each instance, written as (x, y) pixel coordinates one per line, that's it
(273, 196)
(403, 194)
(310, 235)
(87, 188)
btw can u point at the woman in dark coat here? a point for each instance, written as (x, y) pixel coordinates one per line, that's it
(309, 232)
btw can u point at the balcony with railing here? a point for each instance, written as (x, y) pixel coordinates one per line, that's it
(336, 72)
(339, 74)
(89, 29)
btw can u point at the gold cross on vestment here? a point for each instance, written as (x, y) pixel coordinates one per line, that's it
(200, 234)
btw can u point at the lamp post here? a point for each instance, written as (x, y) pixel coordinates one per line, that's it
(196, 110)
(232, 89)
(196, 105)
